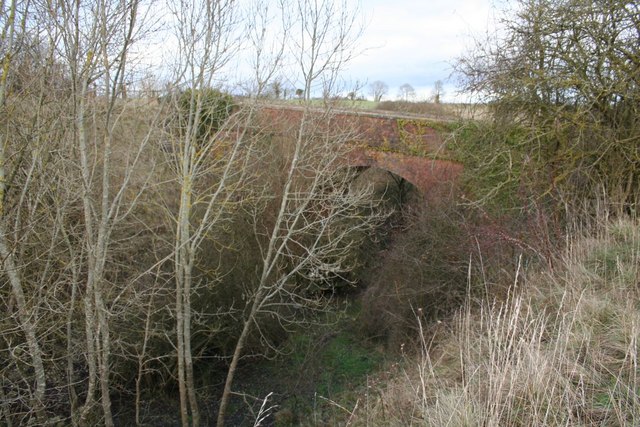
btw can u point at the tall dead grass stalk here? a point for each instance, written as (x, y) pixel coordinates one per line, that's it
(560, 350)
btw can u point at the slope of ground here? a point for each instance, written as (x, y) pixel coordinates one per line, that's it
(560, 350)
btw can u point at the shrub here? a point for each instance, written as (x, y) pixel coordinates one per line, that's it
(214, 109)
(566, 72)
(423, 271)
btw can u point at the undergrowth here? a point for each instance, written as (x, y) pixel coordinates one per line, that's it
(561, 349)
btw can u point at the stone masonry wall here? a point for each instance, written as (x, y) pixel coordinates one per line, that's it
(397, 144)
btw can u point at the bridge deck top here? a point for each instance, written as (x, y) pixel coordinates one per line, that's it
(383, 114)
(409, 145)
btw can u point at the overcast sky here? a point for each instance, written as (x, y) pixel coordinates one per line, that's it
(416, 41)
(404, 41)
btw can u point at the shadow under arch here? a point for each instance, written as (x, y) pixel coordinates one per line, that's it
(433, 178)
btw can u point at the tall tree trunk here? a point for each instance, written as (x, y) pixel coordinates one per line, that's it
(28, 328)
(183, 270)
(237, 354)
(27, 323)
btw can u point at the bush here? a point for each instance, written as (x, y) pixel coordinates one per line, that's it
(424, 271)
(566, 73)
(215, 108)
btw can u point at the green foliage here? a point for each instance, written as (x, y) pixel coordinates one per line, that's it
(345, 363)
(495, 164)
(413, 132)
(316, 365)
(565, 72)
(209, 107)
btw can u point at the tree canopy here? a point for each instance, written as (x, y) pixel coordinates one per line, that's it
(567, 73)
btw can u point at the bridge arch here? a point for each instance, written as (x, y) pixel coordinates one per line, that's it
(427, 175)
(399, 144)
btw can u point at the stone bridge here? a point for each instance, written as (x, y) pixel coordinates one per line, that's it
(406, 145)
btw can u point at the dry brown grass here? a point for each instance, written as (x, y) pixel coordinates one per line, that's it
(437, 111)
(561, 350)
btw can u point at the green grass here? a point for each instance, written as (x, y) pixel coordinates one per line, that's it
(322, 368)
(345, 363)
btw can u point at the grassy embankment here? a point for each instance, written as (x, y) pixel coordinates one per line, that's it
(560, 349)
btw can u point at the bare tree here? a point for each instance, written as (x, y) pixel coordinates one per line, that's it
(13, 23)
(205, 33)
(566, 73)
(100, 218)
(406, 92)
(96, 43)
(211, 167)
(318, 214)
(438, 91)
(378, 89)
(64, 196)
